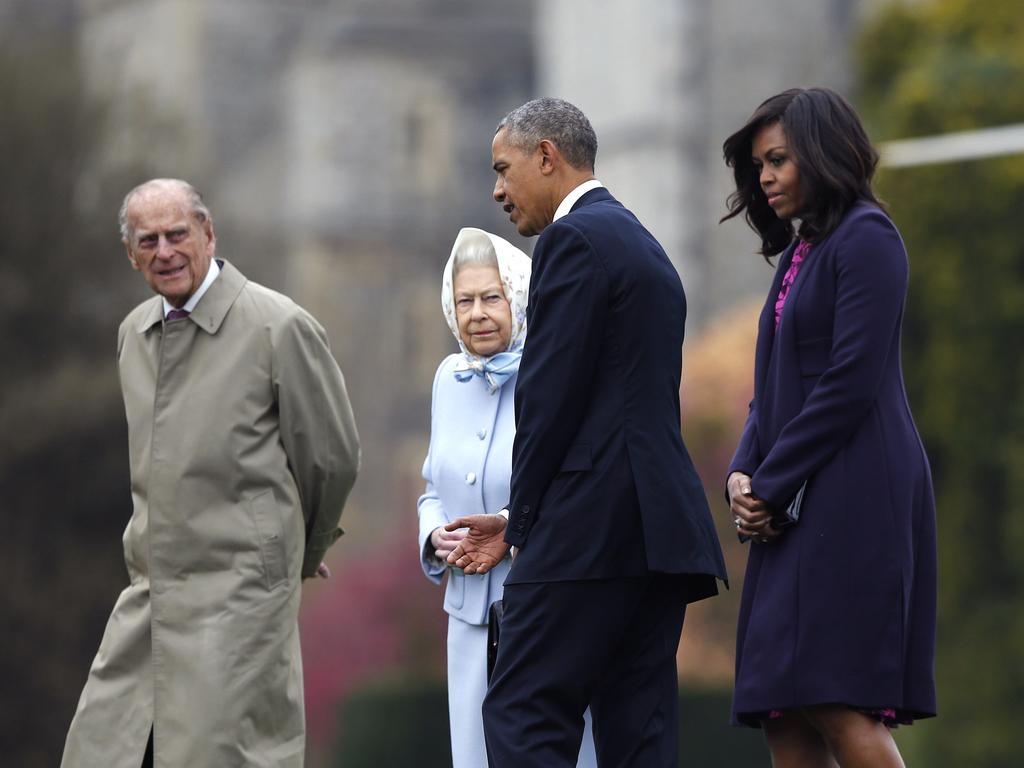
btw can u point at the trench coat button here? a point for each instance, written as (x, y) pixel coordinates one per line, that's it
(470, 478)
(482, 433)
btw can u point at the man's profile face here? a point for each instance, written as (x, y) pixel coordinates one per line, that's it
(168, 244)
(521, 189)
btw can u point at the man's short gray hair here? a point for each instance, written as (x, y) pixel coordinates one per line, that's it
(558, 121)
(192, 196)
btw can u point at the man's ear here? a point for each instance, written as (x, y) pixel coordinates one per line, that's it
(550, 157)
(210, 236)
(131, 256)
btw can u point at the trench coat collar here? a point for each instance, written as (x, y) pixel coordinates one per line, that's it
(211, 309)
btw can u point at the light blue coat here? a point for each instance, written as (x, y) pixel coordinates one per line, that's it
(467, 471)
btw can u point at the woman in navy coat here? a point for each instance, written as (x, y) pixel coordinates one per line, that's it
(830, 481)
(469, 464)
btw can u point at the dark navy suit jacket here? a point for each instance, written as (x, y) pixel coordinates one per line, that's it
(602, 485)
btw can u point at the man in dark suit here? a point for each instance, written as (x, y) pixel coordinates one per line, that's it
(608, 516)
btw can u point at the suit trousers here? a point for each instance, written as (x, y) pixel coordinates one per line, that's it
(608, 642)
(467, 684)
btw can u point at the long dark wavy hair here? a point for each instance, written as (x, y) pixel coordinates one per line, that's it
(832, 152)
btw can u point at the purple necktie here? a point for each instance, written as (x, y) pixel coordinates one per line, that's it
(176, 314)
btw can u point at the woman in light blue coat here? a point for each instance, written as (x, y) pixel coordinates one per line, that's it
(469, 463)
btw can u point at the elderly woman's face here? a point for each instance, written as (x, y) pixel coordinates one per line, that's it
(482, 311)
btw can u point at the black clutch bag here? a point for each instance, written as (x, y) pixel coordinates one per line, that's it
(494, 614)
(792, 514)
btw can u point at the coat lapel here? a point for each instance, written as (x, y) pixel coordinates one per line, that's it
(766, 323)
(211, 309)
(154, 314)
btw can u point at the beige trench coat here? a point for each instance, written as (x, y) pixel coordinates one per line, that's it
(243, 450)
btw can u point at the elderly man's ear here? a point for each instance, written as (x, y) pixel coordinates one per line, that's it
(210, 236)
(131, 256)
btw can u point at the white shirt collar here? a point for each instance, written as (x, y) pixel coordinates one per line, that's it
(570, 200)
(211, 275)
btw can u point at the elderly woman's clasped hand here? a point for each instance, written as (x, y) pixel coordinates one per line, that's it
(444, 541)
(751, 515)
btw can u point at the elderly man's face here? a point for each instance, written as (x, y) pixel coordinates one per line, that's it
(168, 244)
(521, 189)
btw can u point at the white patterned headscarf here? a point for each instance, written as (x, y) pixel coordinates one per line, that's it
(514, 268)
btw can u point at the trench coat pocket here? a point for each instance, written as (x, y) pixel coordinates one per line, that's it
(577, 458)
(271, 538)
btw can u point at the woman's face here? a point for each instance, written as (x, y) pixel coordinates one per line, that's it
(482, 311)
(779, 174)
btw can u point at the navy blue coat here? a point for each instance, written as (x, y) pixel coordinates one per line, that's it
(602, 485)
(841, 607)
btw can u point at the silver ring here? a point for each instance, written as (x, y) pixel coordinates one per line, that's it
(738, 522)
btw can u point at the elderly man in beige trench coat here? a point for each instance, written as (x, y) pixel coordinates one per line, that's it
(243, 450)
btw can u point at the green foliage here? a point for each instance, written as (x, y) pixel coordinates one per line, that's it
(927, 68)
(943, 65)
(707, 739)
(405, 722)
(394, 722)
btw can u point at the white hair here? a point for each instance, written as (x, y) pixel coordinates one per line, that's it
(475, 249)
(192, 196)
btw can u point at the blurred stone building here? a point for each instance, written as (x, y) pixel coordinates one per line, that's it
(343, 144)
(665, 82)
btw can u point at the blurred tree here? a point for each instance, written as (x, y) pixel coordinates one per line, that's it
(403, 721)
(394, 721)
(717, 385)
(64, 284)
(928, 68)
(366, 624)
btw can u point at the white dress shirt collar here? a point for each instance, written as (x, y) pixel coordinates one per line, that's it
(211, 275)
(570, 200)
